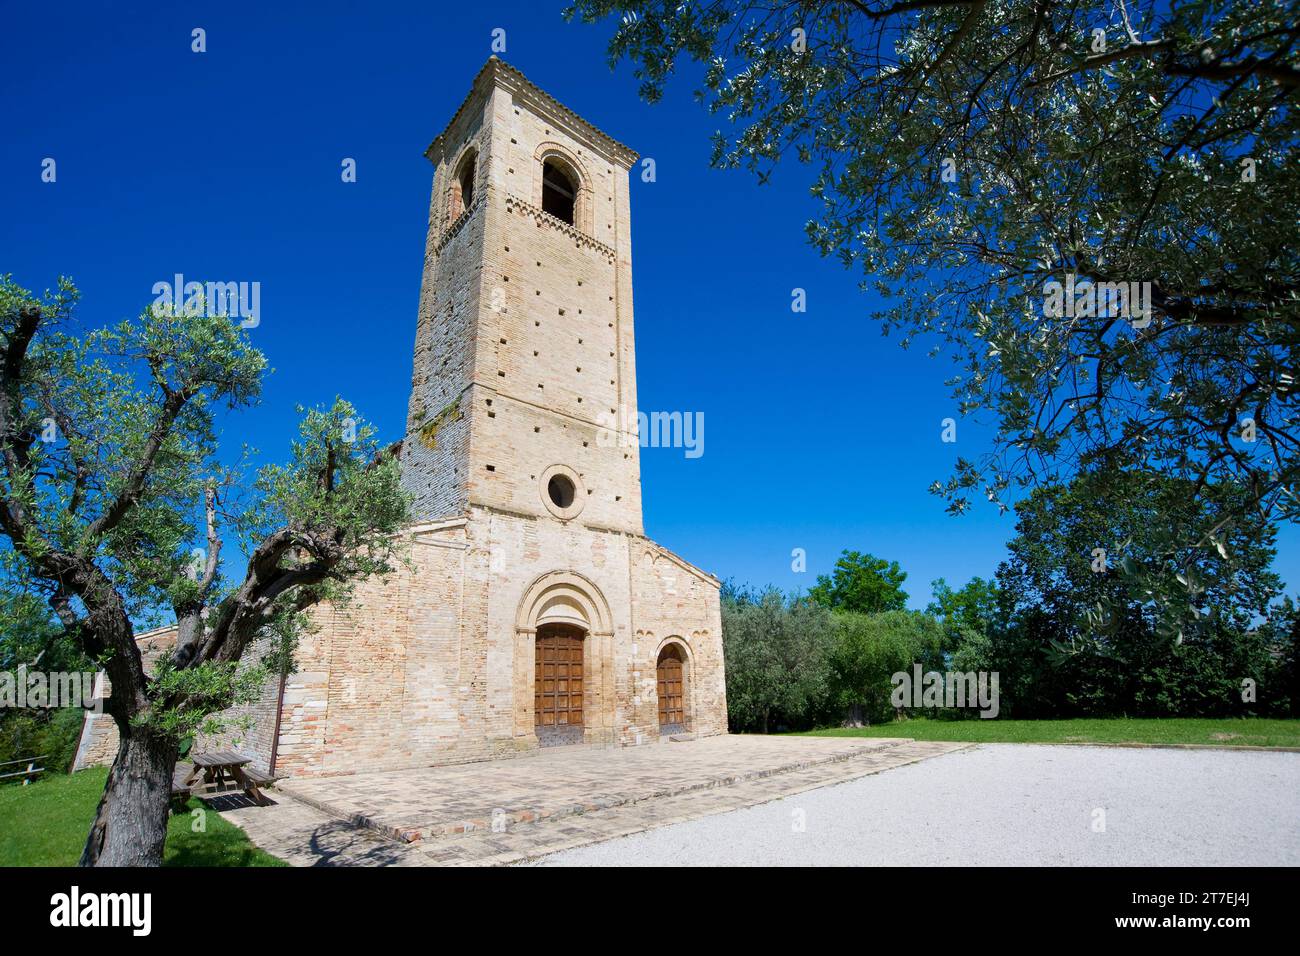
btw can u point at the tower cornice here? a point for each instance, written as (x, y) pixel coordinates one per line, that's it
(496, 72)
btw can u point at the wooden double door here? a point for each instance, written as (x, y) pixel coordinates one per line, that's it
(558, 684)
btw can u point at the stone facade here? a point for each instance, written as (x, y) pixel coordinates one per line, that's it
(522, 462)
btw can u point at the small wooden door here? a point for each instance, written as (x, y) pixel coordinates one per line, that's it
(558, 684)
(672, 693)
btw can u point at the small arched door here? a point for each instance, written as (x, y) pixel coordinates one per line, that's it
(671, 675)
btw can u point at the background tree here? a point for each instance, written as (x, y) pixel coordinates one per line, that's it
(970, 617)
(109, 486)
(973, 606)
(1284, 694)
(30, 637)
(869, 649)
(970, 152)
(863, 583)
(1082, 597)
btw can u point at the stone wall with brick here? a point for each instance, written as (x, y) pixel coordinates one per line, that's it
(674, 604)
(98, 743)
(351, 700)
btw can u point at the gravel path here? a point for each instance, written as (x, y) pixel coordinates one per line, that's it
(1006, 804)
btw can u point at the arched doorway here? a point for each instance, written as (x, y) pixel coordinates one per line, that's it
(558, 684)
(670, 671)
(564, 635)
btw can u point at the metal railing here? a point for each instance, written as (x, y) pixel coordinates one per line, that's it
(31, 771)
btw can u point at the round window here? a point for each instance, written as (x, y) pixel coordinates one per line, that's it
(560, 488)
(562, 491)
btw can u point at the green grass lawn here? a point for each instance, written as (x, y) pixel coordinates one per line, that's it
(45, 824)
(1242, 731)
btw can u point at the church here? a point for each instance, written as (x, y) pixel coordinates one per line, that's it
(535, 612)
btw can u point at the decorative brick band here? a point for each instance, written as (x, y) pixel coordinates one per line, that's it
(580, 239)
(458, 225)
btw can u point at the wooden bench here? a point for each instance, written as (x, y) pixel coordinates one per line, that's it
(254, 780)
(257, 776)
(180, 788)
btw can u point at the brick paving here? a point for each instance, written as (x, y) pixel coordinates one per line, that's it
(554, 801)
(304, 836)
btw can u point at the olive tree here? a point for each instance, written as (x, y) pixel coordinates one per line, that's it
(114, 503)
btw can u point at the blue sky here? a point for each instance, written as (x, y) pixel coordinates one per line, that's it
(819, 433)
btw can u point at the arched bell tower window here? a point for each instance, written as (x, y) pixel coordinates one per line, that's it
(462, 190)
(558, 192)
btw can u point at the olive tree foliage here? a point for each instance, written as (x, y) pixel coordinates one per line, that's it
(794, 663)
(777, 653)
(970, 153)
(29, 633)
(115, 507)
(1062, 565)
(869, 649)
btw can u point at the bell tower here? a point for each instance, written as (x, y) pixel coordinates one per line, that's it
(523, 398)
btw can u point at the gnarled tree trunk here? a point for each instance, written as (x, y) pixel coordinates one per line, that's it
(130, 825)
(854, 717)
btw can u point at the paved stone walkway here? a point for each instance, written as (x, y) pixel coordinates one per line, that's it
(553, 801)
(437, 801)
(531, 842)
